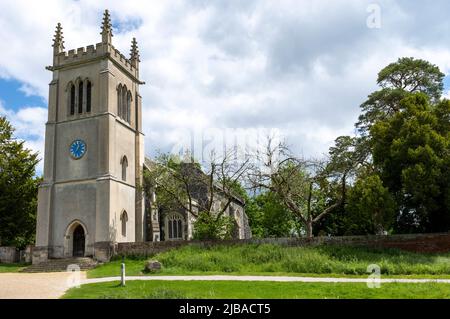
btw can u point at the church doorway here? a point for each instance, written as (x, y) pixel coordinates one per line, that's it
(78, 241)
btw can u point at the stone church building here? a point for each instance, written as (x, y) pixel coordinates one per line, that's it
(90, 197)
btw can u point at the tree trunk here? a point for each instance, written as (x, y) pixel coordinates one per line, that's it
(309, 221)
(309, 229)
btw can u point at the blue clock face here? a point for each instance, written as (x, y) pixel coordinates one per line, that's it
(77, 149)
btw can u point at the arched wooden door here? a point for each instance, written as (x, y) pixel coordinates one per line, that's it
(78, 241)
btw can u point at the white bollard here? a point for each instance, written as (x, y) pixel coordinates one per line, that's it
(74, 279)
(374, 280)
(122, 274)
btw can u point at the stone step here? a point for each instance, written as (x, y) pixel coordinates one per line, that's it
(60, 265)
(68, 261)
(51, 269)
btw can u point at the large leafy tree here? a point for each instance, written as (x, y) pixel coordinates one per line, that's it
(411, 150)
(397, 80)
(18, 189)
(413, 75)
(383, 127)
(370, 208)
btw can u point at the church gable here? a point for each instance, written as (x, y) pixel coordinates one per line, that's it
(183, 228)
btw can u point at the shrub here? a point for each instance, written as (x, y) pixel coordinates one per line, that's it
(209, 227)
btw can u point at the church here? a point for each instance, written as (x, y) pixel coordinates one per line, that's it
(94, 158)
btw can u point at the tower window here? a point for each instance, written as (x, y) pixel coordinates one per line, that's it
(124, 98)
(124, 220)
(124, 168)
(119, 100)
(72, 99)
(88, 96)
(80, 97)
(124, 103)
(128, 107)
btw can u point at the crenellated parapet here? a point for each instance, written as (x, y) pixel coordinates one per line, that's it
(102, 50)
(91, 52)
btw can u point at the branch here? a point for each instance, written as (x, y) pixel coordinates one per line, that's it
(332, 207)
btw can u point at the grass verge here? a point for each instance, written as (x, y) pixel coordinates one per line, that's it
(12, 267)
(252, 290)
(265, 259)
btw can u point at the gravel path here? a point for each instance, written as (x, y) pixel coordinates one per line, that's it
(35, 286)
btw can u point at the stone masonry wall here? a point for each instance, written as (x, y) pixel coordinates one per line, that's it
(410, 242)
(8, 255)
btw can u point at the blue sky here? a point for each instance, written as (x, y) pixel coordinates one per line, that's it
(15, 98)
(301, 67)
(447, 83)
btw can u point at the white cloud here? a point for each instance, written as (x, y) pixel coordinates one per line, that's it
(299, 66)
(446, 95)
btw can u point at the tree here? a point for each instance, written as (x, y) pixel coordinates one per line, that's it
(411, 150)
(370, 209)
(18, 189)
(403, 149)
(397, 80)
(413, 75)
(182, 184)
(380, 105)
(268, 217)
(300, 184)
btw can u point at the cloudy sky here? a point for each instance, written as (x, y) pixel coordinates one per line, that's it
(300, 67)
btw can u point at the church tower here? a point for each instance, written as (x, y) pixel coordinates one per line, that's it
(90, 198)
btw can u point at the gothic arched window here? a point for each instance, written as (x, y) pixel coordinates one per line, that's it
(124, 103)
(80, 97)
(175, 226)
(124, 168)
(124, 220)
(119, 100)
(128, 115)
(124, 98)
(88, 95)
(72, 99)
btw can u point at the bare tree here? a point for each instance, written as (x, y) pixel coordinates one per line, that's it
(195, 188)
(300, 184)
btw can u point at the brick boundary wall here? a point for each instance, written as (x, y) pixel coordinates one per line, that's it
(411, 242)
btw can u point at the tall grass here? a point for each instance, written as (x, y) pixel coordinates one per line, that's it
(254, 258)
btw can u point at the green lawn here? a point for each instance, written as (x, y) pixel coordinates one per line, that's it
(249, 290)
(12, 267)
(330, 261)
